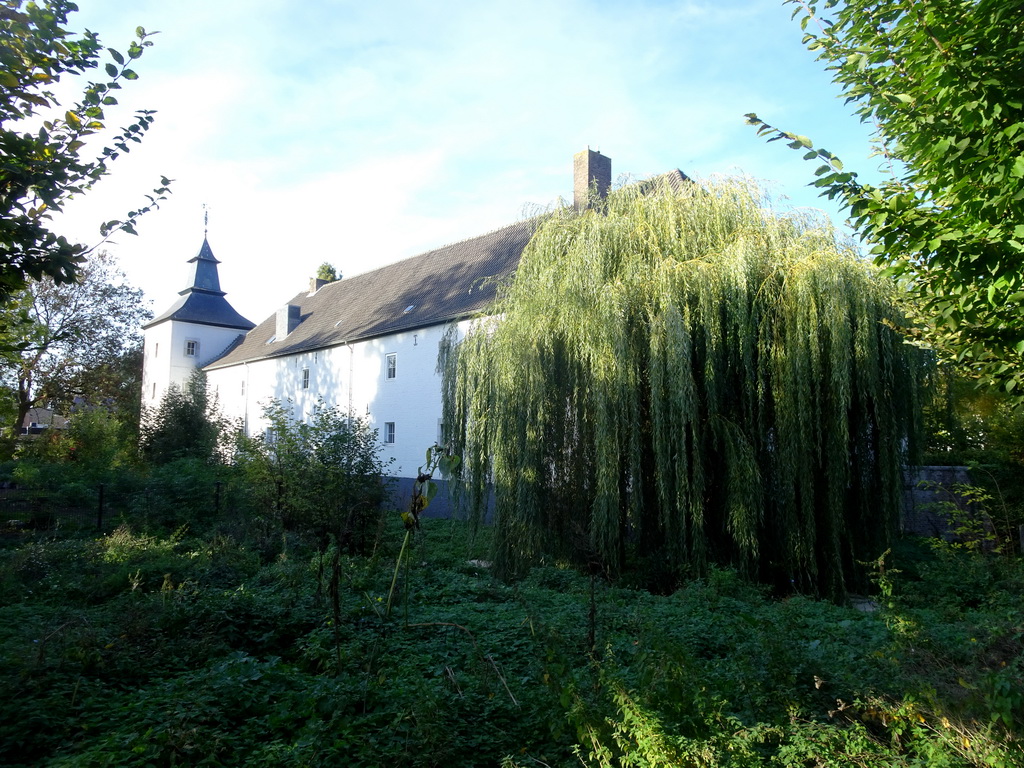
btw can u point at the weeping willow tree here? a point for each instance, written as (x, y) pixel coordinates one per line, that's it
(681, 379)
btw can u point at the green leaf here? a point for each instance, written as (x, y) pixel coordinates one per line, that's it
(111, 70)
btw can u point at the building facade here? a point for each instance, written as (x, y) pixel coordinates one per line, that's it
(367, 344)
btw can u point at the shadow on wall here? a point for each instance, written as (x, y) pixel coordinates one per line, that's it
(925, 489)
(442, 507)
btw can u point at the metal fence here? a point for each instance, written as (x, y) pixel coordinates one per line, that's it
(99, 509)
(31, 510)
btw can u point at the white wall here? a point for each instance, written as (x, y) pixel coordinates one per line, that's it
(165, 358)
(349, 376)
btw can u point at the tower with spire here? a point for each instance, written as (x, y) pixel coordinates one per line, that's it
(199, 327)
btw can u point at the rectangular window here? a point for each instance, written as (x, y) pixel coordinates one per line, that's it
(243, 387)
(191, 348)
(389, 432)
(305, 378)
(392, 366)
(153, 397)
(156, 349)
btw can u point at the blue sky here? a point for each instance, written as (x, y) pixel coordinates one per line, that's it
(363, 133)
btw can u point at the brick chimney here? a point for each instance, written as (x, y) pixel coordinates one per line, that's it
(590, 168)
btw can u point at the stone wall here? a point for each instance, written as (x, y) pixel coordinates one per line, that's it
(924, 488)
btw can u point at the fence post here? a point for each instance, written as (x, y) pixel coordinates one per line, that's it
(99, 511)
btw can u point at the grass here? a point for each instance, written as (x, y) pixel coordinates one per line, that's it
(138, 649)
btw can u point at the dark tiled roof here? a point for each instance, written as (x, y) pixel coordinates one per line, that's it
(445, 284)
(204, 309)
(203, 301)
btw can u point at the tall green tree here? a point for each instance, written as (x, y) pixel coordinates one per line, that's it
(186, 425)
(67, 334)
(43, 145)
(687, 379)
(113, 382)
(942, 82)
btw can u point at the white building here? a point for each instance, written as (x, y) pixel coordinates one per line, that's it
(368, 343)
(197, 329)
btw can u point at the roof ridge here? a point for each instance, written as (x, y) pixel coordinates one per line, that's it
(441, 247)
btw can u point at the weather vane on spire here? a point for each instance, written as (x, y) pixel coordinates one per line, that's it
(206, 219)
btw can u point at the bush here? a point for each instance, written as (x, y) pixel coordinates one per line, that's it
(325, 476)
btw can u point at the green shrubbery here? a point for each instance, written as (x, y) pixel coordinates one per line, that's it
(138, 648)
(324, 476)
(227, 615)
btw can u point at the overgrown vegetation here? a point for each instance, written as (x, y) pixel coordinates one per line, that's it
(983, 430)
(323, 476)
(157, 649)
(226, 617)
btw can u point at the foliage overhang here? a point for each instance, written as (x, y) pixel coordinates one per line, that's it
(943, 85)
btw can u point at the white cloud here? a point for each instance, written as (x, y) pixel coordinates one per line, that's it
(360, 133)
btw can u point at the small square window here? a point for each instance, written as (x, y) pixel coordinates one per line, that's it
(191, 348)
(305, 378)
(389, 432)
(392, 366)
